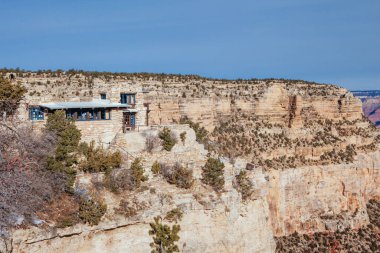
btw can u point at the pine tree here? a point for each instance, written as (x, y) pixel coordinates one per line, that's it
(68, 137)
(137, 172)
(164, 236)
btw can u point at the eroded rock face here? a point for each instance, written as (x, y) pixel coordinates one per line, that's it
(276, 103)
(201, 231)
(326, 197)
(211, 223)
(309, 199)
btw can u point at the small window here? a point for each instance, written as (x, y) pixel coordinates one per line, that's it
(36, 113)
(103, 96)
(129, 99)
(88, 114)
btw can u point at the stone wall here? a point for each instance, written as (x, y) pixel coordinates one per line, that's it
(102, 132)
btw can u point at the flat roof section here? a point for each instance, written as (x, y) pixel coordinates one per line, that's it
(78, 105)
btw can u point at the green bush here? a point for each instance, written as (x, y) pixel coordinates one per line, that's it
(213, 174)
(243, 185)
(164, 237)
(168, 139)
(97, 159)
(91, 211)
(156, 168)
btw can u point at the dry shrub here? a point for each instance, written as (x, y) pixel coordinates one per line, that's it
(10, 97)
(126, 179)
(26, 186)
(174, 215)
(91, 210)
(118, 181)
(152, 142)
(64, 211)
(130, 208)
(178, 175)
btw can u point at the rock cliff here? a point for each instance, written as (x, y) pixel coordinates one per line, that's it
(313, 159)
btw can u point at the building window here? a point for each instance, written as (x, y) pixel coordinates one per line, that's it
(36, 113)
(88, 114)
(103, 96)
(129, 99)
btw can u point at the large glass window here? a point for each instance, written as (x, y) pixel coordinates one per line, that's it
(36, 113)
(129, 99)
(88, 114)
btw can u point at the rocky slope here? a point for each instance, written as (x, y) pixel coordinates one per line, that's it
(312, 157)
(305, 200)
(211, 223)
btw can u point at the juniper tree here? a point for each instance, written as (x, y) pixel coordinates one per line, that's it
(213, 174)
(168, 139)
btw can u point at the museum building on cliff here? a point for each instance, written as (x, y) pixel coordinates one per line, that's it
(99, 119)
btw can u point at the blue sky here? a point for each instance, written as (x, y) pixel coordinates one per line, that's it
(331, 41)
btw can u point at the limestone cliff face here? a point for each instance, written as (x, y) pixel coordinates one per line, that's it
(210, 223)
(276, 103)
(326, 191)
(309, 199)
(306, 200)
(202, 100)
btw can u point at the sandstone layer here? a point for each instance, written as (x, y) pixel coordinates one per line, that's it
(313, 159)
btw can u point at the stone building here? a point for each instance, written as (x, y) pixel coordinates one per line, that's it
(100, 119)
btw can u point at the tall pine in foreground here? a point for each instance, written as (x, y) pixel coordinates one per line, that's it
(164, 236)
(68, 137)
